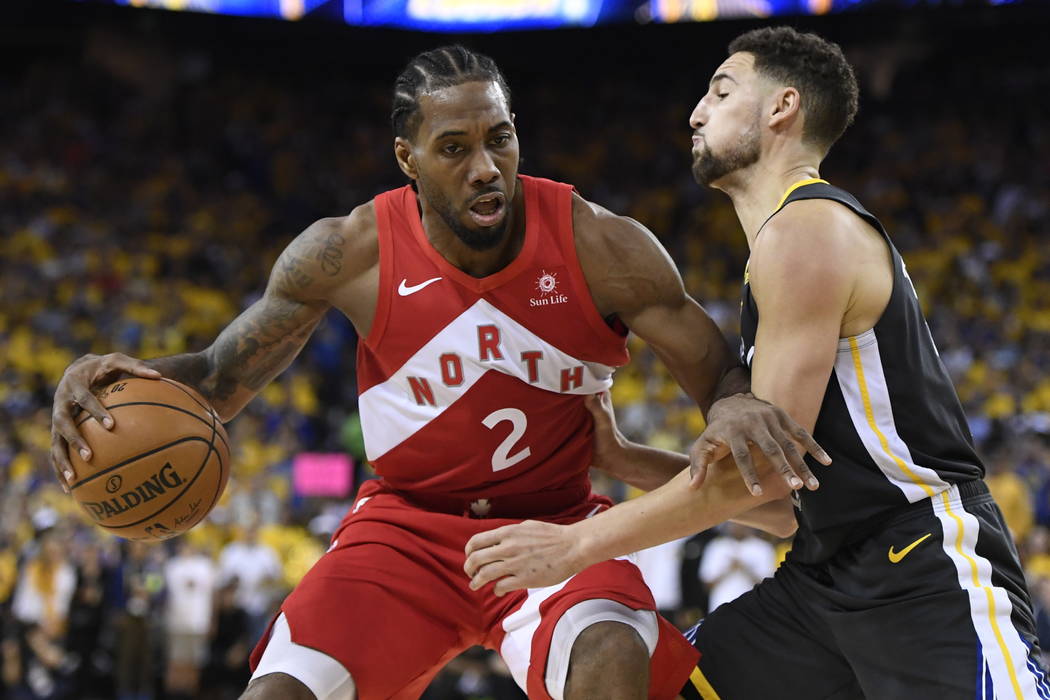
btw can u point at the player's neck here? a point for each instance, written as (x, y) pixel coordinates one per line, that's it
(757, 193)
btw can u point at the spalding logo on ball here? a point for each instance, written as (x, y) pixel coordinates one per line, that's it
(161, 468)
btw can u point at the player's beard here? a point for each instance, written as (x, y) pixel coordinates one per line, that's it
(710, 167)
(479, 239)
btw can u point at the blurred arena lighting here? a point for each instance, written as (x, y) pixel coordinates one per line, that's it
(504, 15)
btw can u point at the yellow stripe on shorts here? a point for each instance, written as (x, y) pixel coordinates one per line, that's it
(702, 685)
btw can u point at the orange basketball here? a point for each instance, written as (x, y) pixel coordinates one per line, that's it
(161, 468)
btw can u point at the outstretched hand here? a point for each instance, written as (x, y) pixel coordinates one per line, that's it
(530, 554)
(739, 421)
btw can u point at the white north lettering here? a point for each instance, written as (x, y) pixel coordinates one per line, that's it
(394, 410)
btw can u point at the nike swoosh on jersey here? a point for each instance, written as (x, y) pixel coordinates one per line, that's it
(895, 557)
(404, 290)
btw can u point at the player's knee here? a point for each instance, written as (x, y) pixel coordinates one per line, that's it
(277, 686)
(606, 644)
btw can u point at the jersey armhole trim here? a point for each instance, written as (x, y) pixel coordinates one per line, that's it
(386, 268)
(567, 240)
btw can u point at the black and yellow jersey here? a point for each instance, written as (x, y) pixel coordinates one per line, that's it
(890, 418)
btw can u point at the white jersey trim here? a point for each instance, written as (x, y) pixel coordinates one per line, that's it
(858, 368)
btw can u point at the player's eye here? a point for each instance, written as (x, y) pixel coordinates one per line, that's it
(722, 95)
(501, 140)
(451, 149)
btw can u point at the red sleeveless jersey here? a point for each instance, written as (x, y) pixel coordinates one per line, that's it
(472, 388)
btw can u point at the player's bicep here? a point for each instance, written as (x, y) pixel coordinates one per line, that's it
(652, 301)
(802, 288)
(688, 342)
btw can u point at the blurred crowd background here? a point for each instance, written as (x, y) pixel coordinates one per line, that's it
(152, 167)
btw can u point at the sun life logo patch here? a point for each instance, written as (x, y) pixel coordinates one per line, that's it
(547, 285)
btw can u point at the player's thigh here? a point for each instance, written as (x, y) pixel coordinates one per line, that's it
(952, 617)
(541, 632)
(767, 644)
(386, 618)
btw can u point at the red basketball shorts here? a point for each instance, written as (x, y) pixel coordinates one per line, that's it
(391, 603)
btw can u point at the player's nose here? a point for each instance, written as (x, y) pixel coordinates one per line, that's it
(483, 170)
(698, 117)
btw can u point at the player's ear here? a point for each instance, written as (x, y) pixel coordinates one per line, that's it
(405, 158)
(786, 106)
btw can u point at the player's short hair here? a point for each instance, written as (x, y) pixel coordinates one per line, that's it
(440, 68)
(816, 68)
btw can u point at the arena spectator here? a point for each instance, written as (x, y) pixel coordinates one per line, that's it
(231, 640)
(190, 579)
(734, 562)
(257, 571)
(141, 580)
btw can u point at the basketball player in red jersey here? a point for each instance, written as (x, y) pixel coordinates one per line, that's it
(489, 305)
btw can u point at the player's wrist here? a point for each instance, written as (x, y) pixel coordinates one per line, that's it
(584, 545)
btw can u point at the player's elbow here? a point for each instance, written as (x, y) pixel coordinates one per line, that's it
(784, 526)
(779, 517)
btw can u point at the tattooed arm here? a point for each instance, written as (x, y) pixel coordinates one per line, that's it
(333, 262)
(261, 342)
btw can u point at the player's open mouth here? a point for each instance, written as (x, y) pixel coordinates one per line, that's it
(487, 210)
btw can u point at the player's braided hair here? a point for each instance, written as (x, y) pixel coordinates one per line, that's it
(434, 70)
(816, 68)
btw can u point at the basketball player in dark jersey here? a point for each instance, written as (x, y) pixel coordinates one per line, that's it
(439, 278)
(903, 581)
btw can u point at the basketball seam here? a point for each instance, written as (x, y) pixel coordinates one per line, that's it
(191, 482)
(129, 460)
(173, 501)
(215, 431)
(220, 482)
(165, 405)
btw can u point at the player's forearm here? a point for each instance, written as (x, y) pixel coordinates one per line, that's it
(256, 347)
(221, 383)
(189, 368)
(674, 510)
(644, 467)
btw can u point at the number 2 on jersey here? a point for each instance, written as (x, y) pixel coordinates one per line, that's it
(502, 458)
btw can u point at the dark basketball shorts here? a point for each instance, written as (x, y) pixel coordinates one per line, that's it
(934, 605)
